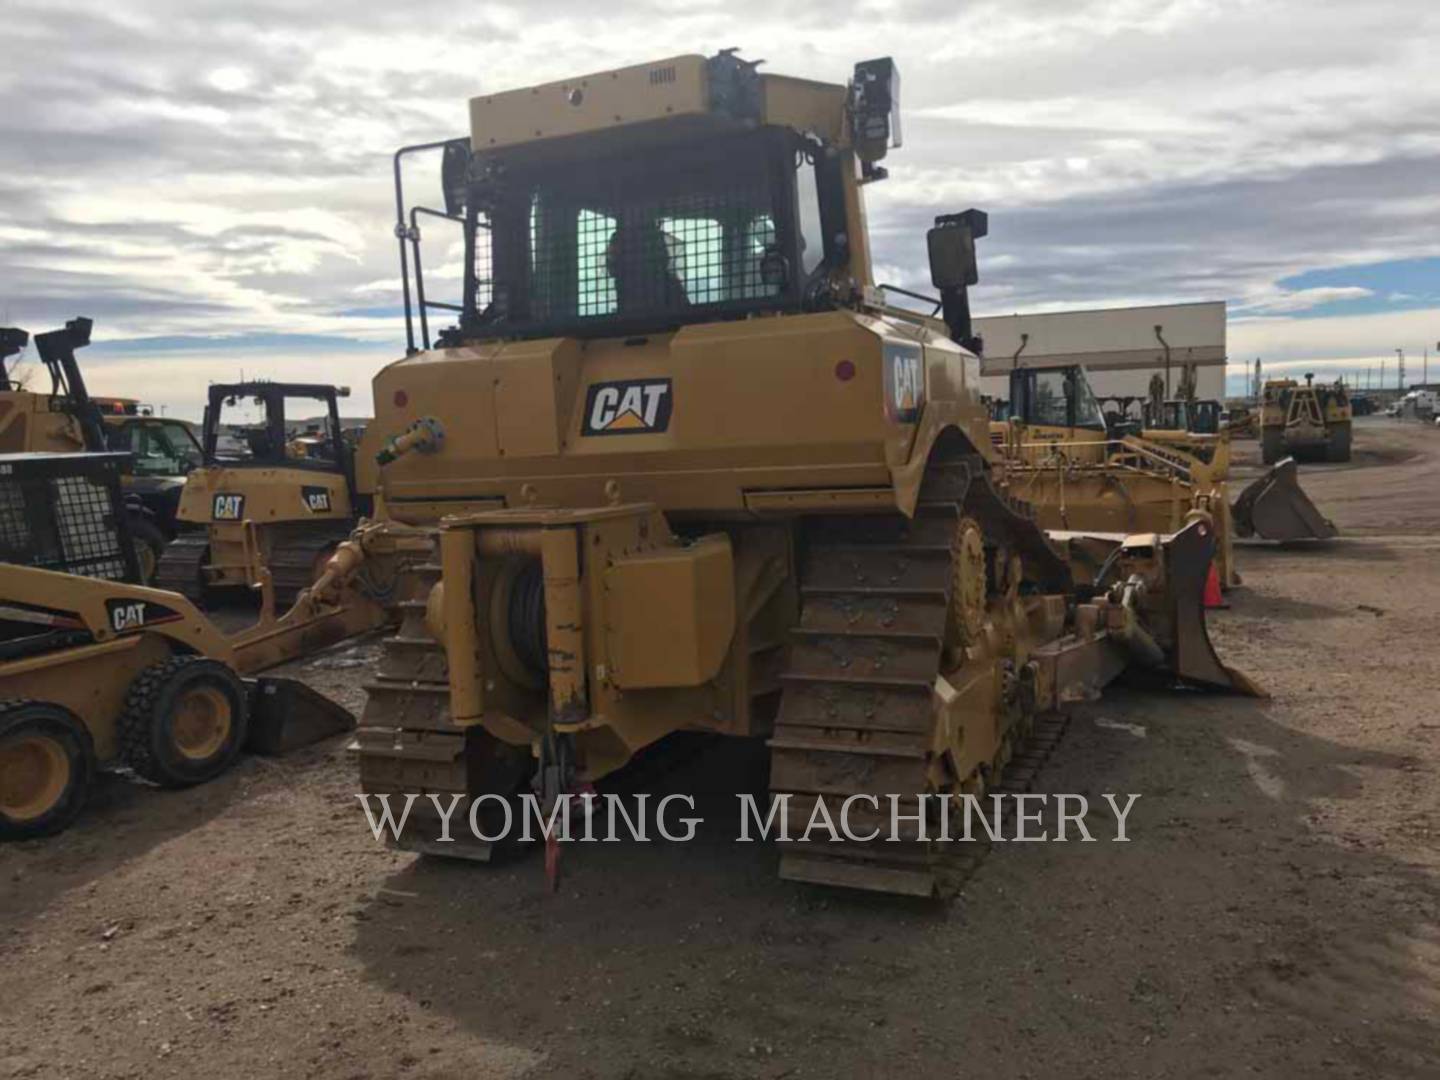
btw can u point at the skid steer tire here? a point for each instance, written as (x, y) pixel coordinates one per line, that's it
(47, 763)
(149, 543)
(184, 721)
(1271, 446)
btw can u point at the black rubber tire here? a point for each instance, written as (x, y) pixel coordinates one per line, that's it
(148, 539)
(56, 723)
(147, 735)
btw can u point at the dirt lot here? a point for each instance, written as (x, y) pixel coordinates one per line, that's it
(1276, 913)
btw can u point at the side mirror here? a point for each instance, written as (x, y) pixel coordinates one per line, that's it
(874, 113)
(454, 175)
(951, 243)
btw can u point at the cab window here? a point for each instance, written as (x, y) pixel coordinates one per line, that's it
(1051, 406)
(161, 448)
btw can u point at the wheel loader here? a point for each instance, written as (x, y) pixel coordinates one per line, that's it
(1308, 423)
(263, 501)
(97, 669)
(687, 471)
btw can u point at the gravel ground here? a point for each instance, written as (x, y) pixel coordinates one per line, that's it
(1275, 912)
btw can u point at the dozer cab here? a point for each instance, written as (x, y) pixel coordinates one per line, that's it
(688, 471)
(1191, 425)
(69, 420)
(1198, 417)
(96, 668)
(1307, 422)
(266, 499)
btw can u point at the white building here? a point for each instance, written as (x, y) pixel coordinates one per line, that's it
(1120, 348)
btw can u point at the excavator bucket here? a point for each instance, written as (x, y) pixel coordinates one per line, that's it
(1191, 656)
(1275, 508)
(285, 715)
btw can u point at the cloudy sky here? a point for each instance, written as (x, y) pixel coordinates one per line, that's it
(210, 181)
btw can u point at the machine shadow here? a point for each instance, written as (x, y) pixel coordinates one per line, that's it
(1355, 548)
(692, 959)
(124, 819)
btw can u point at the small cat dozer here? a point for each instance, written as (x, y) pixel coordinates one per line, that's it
(95, 669)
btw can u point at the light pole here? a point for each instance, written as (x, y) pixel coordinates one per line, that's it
(1400, 370)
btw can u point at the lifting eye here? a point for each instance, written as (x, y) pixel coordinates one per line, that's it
(576, 96)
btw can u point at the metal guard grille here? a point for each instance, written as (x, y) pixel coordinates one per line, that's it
(621, 243)
(62, 522)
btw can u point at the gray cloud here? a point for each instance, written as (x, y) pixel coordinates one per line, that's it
(201, 167)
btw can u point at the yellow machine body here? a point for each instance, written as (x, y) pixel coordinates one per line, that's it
(245, 511)
(1076, 477)
(760, 507)
(100, 670)
(31, 423)
(1306, 421)
(271, 503)
(537, 415)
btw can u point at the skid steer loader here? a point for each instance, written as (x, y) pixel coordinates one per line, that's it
(96, 668)
(68, 419)
(263, 502)
(688, 471)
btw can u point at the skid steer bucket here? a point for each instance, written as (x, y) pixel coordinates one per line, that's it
(1275, 508)
(285, 715)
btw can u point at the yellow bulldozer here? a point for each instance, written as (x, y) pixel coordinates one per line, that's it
(1309, 422)
(96, 668)
(1063, 460)
(1079, 471)
(688, 471)
(265, 501)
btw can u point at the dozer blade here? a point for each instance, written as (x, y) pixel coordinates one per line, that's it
(1275, 508)
(1192, 657)
(285, 715)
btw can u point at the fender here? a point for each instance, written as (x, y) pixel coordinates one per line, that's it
(939, 420)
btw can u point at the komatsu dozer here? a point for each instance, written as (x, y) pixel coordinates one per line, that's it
(1064, 459)
(1306, 422)
(265, 501)
(96, 668)
(688, 472)
(1061, 458)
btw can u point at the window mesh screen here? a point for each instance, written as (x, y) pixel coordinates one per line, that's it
(61, 522)
(15, 536)
(484, 265)
(644, 256)
(89, 543)
(634, 238)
